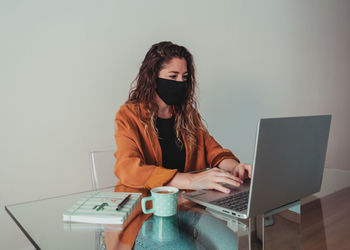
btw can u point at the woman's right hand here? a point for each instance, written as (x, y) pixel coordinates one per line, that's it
(208, 179)
(213, 179)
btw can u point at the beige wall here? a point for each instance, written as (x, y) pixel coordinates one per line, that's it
(66, 67)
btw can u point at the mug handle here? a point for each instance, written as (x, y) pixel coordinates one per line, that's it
(143, 205)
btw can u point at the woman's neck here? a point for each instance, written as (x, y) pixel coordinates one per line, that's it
(164, 110)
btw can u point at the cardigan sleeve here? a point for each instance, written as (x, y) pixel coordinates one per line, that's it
(214, 152)
(131, 167)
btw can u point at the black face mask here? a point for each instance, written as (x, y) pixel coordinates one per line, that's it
(170, 91)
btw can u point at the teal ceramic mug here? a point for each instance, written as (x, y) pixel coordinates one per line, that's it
(164, 201)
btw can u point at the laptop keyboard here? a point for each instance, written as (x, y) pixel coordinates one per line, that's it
(237, 202)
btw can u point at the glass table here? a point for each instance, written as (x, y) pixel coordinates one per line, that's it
(192, 228)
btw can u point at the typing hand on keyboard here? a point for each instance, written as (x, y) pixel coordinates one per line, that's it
(212, 179)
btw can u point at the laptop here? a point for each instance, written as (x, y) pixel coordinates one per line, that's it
(288, 165)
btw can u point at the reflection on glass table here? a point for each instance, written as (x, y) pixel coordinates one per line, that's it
(41, 221)
(186, 230)
(192, 228)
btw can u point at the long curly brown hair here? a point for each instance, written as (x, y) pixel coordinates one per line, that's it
(187, 118)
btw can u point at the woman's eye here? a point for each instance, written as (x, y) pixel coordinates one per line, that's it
(173, 76)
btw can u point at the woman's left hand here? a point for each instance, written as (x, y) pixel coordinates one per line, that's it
(242, 171)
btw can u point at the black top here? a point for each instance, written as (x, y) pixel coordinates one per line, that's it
(173, 156)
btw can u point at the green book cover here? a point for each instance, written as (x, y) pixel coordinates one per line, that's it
(100, 207)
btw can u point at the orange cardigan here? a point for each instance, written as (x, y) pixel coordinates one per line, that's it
(139, 155)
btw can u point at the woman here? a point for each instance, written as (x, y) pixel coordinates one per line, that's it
(160, 135)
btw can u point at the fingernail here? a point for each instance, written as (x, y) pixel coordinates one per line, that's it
(228, 191)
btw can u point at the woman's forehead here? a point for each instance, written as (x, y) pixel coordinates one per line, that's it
(175, 65)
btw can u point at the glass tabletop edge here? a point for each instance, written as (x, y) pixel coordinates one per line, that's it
(22, 229)
(59, 196)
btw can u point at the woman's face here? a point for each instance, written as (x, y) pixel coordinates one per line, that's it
(175, 69)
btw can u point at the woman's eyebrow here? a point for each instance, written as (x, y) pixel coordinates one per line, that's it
(176, 72)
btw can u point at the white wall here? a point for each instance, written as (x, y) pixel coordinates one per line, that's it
(66, 67)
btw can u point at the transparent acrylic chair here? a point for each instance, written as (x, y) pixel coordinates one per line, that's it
(102, 176)
(102, 164)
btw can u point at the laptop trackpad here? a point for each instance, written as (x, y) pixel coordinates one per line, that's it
(211, 195)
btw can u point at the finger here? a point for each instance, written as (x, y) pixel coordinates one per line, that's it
(235, 171)
(241, 172)
(227, 181)
(231, 176)
(249, 169)
(219, 172)
(220, 188)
